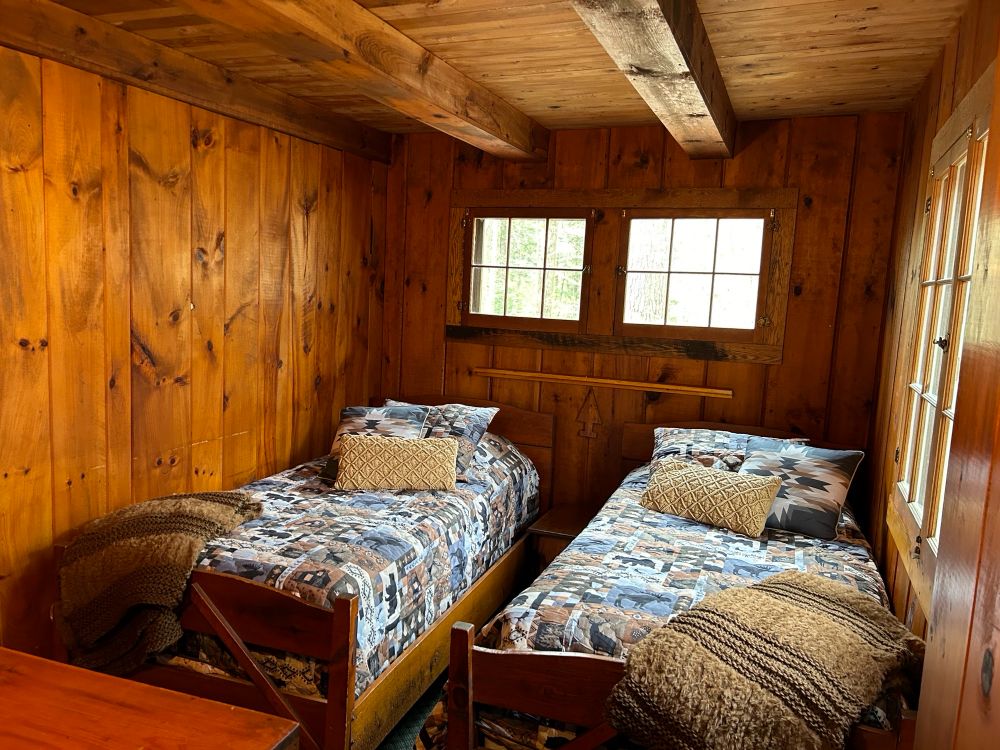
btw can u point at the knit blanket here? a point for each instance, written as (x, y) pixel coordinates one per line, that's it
(122, 578)
(792, 661)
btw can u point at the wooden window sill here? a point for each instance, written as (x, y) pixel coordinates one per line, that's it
(650, 347)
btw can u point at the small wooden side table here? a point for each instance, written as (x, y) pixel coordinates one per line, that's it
(556, 528)
(46, 704)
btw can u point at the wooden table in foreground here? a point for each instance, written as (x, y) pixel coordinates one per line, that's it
(45, 704)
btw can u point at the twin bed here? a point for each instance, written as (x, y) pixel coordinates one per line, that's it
(557, 648)
(335, 607)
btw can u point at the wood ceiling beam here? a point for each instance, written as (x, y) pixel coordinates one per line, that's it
(43, 28)
(663, 49)
(342, 40)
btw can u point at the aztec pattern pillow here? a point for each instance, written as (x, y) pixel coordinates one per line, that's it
(374, 462)
(467, 424)
(814, 483)
(403, 421)
(725, 499)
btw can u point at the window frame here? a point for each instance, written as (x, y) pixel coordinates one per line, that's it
(549, 325)
(758, 334)
(914, 523)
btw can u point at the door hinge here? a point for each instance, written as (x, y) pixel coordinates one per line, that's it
(460, 306)
(927, 207)
(896, 457)
(773, 225)
(465, 220)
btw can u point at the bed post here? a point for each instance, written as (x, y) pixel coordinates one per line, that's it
(340, 693)
(461, 727)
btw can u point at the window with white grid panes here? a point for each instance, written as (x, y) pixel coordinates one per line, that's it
(694, 274)
(943, 291)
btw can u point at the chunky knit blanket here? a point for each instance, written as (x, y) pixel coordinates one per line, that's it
(122, 578)
(792, 661)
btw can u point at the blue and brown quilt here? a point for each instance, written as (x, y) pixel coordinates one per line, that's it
(408, 555)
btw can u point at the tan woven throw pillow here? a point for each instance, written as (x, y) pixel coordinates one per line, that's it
(371, 462)
(719, 498)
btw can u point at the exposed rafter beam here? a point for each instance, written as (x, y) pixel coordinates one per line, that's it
(43, 28)
(663, 49)
(344, 41)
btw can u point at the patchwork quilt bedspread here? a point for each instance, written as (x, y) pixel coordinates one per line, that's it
(631, 569)
(406, 554)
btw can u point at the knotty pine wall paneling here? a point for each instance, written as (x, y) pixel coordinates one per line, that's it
(946, 620)
(846, 170)
(186, 306)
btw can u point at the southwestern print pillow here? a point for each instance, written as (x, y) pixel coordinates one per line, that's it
(405, 421)
(467, 424)
(814, 483)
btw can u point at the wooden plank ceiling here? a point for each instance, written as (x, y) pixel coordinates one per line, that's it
(779, 58)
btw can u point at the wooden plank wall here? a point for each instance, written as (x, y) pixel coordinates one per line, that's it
(970, 50)
(182, 299)
(846, 169)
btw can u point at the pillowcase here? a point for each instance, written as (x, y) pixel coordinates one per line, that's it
(467, 424)
(718, 449)
(404, 421)
(713, 496)
(814, 483)
(374, 462)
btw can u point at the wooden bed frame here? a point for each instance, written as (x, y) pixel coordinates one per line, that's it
(240, 611)
(572, 687)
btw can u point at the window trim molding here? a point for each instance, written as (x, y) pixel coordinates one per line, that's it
(598, 335)
(766, 354)
(677, 198)
(918, 553)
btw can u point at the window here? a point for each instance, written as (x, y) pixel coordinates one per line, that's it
(687, 273)
(943, 289)
(695, 274)
(528, 270)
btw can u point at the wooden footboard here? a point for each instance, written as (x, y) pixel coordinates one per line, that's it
(572, 688)
(263, 616)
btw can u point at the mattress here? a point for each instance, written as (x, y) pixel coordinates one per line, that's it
(408, 555)
(628, 572)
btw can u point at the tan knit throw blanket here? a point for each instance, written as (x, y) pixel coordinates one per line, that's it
(123, 576)
(790, 662)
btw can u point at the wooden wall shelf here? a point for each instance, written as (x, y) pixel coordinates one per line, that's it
(628, 385)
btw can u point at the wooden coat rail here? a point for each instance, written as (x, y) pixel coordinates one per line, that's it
(627, 385)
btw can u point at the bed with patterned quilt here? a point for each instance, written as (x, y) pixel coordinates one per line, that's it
(333, 608)
(631, 570)
(407, 555)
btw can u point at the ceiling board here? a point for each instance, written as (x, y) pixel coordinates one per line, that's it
(778, 58)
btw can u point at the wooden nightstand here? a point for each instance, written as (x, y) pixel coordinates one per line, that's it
(556, 528)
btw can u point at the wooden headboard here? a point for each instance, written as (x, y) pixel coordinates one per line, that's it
(533, 432)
